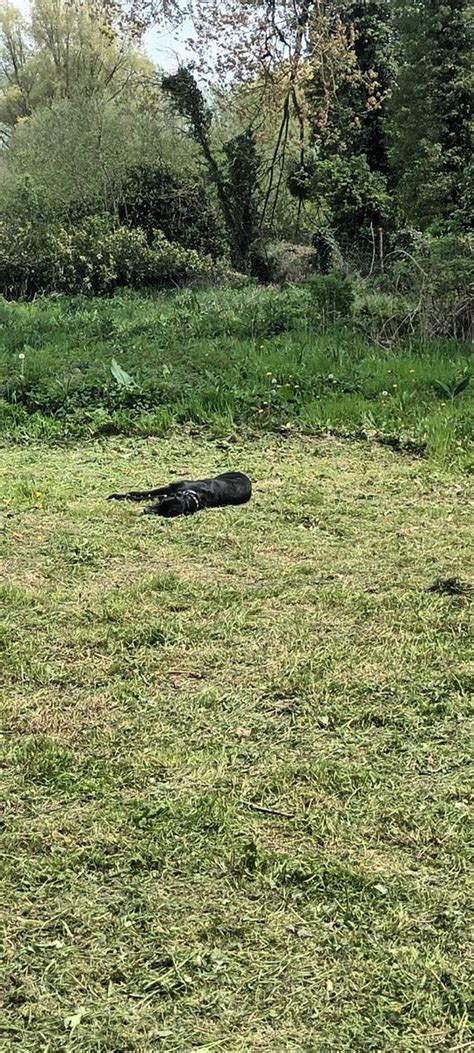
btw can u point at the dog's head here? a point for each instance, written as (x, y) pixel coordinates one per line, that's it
(185, 503)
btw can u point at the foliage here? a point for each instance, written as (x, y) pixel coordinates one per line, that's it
(334, 296)
(157, 196)
(293, 130)
(94, 257)
(431, 127)
(77, 159)
(439, 275)
(368, 96)
(324, 242)
(351, 77)
(357, 199)
(72, 51)
(236, 184)
(242, 180)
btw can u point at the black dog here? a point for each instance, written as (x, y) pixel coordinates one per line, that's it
(189, 496)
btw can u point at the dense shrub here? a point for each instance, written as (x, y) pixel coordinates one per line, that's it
(357, 197)
(325, 245)
(332, 295)
(94, 257)
(154, 197)
(438, 274)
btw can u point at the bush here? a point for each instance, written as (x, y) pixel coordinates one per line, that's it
(155, 197)
(324, 243)
(94, 257)
(289, 263)
(357, 197)
(385, 318)
(332, 295)
(439, 276)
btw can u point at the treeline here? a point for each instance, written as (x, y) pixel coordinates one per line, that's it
(340, 126)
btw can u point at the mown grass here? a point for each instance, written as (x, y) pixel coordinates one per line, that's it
(238, 753)
(255, 358)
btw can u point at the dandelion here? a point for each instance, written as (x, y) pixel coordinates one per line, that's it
(412, 370)
(269, 373)
(384, 392)
(21, 356)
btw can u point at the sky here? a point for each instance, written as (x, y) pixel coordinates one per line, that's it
(165, 47)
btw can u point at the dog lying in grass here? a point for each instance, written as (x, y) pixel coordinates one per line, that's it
(189, 496)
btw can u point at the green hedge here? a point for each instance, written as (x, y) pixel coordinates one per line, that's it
(93, 257)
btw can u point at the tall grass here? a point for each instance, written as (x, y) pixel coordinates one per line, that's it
(252, 357)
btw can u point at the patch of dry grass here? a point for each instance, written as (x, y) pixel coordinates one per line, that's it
(237, 783)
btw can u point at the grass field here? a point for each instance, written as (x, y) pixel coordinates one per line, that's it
(253, 358)
(238, 745)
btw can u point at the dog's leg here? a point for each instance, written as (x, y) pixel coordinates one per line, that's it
(140, 495)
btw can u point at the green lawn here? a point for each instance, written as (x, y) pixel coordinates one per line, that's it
(237, 780)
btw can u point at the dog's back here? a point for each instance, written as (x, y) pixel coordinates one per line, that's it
(235, 487)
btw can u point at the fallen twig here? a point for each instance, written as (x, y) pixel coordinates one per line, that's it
(268, 811)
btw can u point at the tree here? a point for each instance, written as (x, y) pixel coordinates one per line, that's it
(17, 70)
(431, 120)
(78, 102)
(371, 22)
(235, 186)
(305, 68)
(69, 49)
